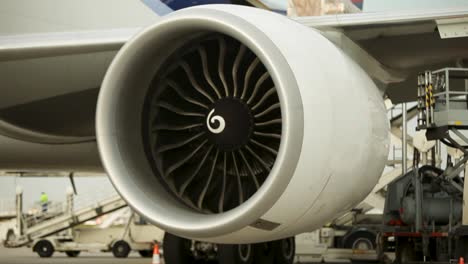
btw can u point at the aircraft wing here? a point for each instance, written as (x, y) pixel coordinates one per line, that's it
(401, 41)
(405, 42)
(57, 65)
(20, 47)
(66, 68)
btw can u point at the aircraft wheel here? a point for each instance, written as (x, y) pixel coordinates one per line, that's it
(461, 245)
(73, 254)
(146, 253)
(236, 254)
(177, 250)
(285, 250)
(264, 253)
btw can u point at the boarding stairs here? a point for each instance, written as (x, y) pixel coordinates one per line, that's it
(64, 221)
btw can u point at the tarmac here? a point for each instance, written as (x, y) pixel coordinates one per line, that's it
(27, 256)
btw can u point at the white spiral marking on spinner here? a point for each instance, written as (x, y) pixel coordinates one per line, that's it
(220, 119)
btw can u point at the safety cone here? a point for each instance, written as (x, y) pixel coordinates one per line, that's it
(461, 260)
(156, 257)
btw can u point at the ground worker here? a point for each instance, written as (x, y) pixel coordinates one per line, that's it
(44, 201)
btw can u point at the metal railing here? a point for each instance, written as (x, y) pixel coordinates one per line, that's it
(36, 214)
(436, 94)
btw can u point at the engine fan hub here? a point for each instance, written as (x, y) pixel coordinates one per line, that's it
(229, 124)
(213, 123)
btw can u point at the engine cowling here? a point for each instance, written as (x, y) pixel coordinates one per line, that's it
(232, 124)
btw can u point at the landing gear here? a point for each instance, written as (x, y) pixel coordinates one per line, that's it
(121, 249)
(181, 250)
(72, 254)
(146, 253)
(276, 252)
(177, 250)
(284, 250)
(460, 248)
(44, 249)
(236, 254)
(264, 253)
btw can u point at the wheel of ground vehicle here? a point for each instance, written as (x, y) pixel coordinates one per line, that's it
(284, 250)
(73, 254)
(177, 250)
(146, 253)
(236, 254)
(264, 253)
(44, 249)
(405, 253)
(121, 249)
(361, 240)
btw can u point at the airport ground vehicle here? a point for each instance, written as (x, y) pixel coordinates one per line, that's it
(31, 227)
(136, 235)
(61, 230)
(331, 245)
(435, 231)
(425, 215)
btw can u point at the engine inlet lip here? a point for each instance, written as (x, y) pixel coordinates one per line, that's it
(180, 220)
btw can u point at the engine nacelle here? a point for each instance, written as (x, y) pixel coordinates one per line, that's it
(232, 124)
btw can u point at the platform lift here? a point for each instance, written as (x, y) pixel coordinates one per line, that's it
(425, 216)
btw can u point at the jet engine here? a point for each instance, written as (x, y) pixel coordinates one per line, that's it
(236, 125)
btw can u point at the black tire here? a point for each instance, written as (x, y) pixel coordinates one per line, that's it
(146, 253)
(364, 240)
(236, 254)
(285, 250)
(121, 249)
(44, 249)
(177, 250)
(461, 247)
(73, 254)
(405, 253)
(264, 253)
